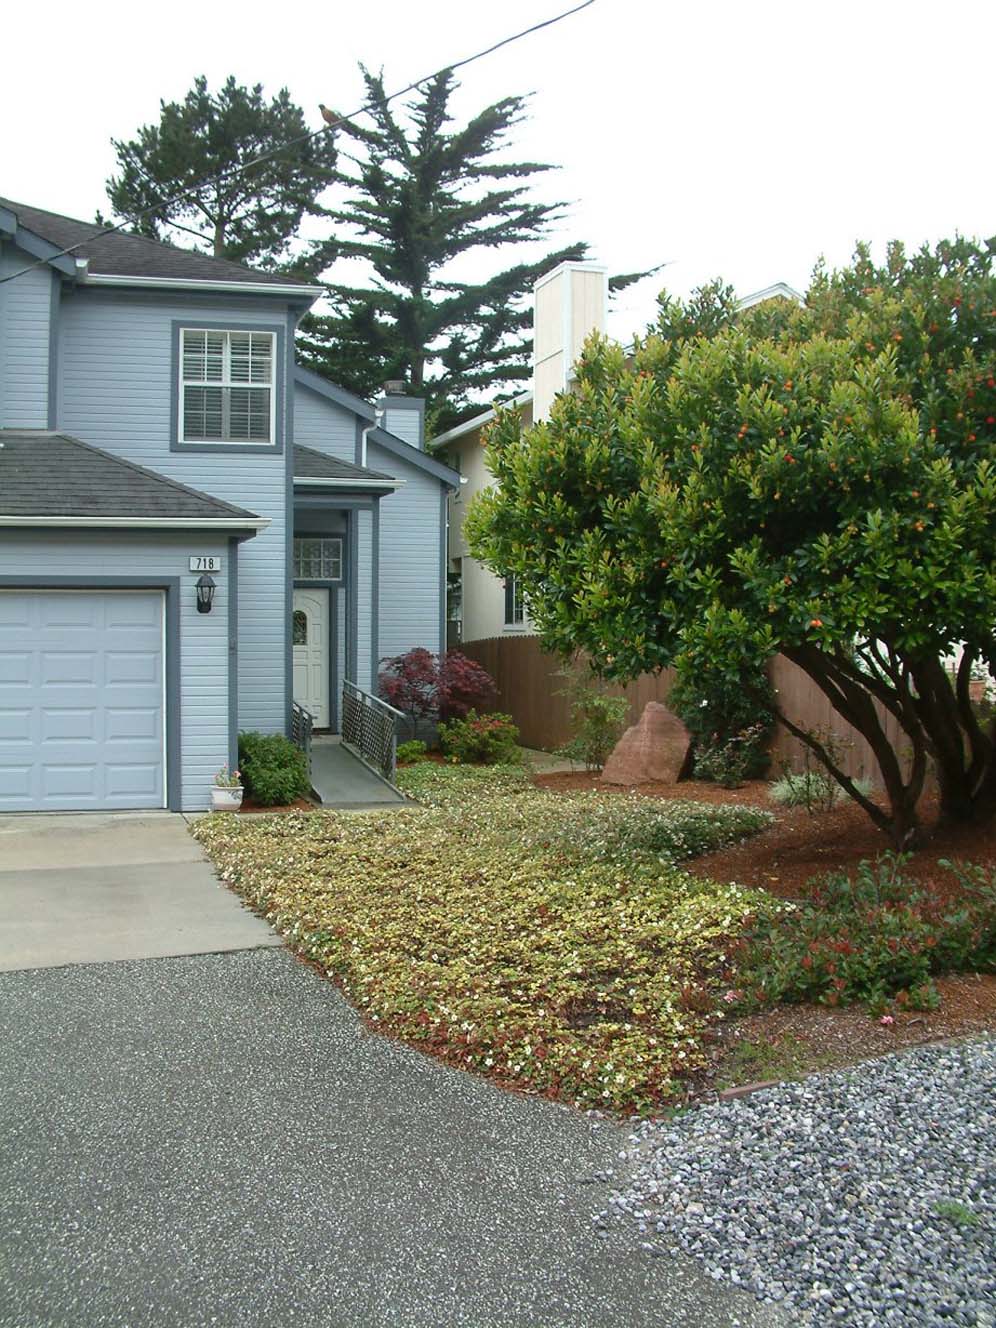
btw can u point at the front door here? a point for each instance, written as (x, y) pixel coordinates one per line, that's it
(311, 654)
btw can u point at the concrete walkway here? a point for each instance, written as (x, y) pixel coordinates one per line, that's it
(82, 889)
(342, 780)
(217, 1140)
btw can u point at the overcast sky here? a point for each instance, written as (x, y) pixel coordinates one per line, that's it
(731, 139)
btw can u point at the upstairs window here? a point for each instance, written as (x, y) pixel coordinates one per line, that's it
(318, 559)
(515, 606)
(226, 386)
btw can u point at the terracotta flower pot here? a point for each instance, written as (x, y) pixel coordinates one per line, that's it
(226, 799)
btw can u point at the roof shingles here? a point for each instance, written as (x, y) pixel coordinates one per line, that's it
(125, 255)
(55, 475)
(312, 465)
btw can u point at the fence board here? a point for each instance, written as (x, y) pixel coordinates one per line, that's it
(528, 687)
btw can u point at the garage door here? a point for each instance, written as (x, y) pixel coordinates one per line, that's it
(81, 700)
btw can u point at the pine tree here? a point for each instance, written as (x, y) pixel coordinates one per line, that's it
(416, 197)
(200, 143)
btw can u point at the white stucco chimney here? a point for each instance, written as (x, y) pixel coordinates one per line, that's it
(568, 304)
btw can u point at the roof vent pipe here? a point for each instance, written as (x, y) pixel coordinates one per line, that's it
(378, 422)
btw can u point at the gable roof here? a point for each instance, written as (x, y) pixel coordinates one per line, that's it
(389, 441)
(55, 479)
(123, 257)
(317, 468)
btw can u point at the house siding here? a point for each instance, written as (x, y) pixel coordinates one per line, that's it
(411, 581)
(25, 315)
(365, 677)
(116, 386)
(203, 663)
(323, 425)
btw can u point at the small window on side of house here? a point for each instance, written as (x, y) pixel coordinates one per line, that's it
(515, 608)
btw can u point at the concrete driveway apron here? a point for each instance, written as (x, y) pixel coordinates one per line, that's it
(216, 1139)
(88, 889)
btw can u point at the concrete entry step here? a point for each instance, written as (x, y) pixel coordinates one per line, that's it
(340, 779)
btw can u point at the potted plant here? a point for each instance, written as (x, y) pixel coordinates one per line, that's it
(226, 795)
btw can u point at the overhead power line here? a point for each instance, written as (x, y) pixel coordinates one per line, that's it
(236, 171)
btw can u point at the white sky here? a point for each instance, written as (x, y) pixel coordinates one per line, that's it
(739, 140)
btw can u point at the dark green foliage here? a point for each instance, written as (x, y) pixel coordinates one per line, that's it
(274, 771)
(410, 752)
(817, 481)
(415, 197)
(730, 719)
(199, 144)
(480, 739)
(875, 938)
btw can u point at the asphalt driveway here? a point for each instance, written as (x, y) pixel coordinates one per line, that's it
(215, 1139)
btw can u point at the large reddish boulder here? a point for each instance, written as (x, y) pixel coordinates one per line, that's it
(656, 749)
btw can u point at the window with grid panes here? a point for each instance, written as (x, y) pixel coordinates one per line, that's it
(227, 386)
(318, 559)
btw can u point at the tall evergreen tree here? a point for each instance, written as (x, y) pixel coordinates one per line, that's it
(415, 197)
(200, 144)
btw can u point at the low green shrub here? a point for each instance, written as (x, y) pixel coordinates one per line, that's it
(597, 719)
(812, 789)
(410, 752)
(876, 938)
(274, 771)
(480, 739)
(632, 831)
(732, 762)
(730, 719)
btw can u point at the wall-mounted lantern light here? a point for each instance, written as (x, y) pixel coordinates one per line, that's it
(205, 593)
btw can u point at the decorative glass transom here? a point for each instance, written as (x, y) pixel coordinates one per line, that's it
(318, 559)
(226, 386)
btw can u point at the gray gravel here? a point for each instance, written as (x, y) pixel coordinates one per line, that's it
(828, 1196)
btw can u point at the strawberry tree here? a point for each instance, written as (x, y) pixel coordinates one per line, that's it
(816, 481)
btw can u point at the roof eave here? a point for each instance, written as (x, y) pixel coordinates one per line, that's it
(357, 484)
(416, 457)
(460, 430)
(288, 291)
(227, 523)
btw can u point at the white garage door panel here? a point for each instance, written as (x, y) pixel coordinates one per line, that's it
(81, 700)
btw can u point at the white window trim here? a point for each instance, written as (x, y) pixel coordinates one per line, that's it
(182, 440)
(511, 624)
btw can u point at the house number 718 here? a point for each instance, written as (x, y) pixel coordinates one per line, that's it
(201, 563)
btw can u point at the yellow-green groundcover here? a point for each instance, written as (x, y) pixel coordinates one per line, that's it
(546, 940)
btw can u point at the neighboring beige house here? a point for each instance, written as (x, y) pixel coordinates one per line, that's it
(569, 304)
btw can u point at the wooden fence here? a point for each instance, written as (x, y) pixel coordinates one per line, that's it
(529, 690)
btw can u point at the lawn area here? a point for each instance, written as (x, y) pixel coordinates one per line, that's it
(548, 940)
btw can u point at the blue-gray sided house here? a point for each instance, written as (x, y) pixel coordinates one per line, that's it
(156, 433)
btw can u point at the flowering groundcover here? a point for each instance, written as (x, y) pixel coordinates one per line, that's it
(547, 940)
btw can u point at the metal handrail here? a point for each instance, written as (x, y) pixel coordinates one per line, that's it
(302, 722)
(369, 729)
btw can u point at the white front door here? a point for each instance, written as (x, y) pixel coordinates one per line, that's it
(310, 634)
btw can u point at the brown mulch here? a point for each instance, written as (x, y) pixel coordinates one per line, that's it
(298, 805)
(781, 859)
(808, 1038)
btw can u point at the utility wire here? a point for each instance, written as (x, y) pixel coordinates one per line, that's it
(301, 138)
